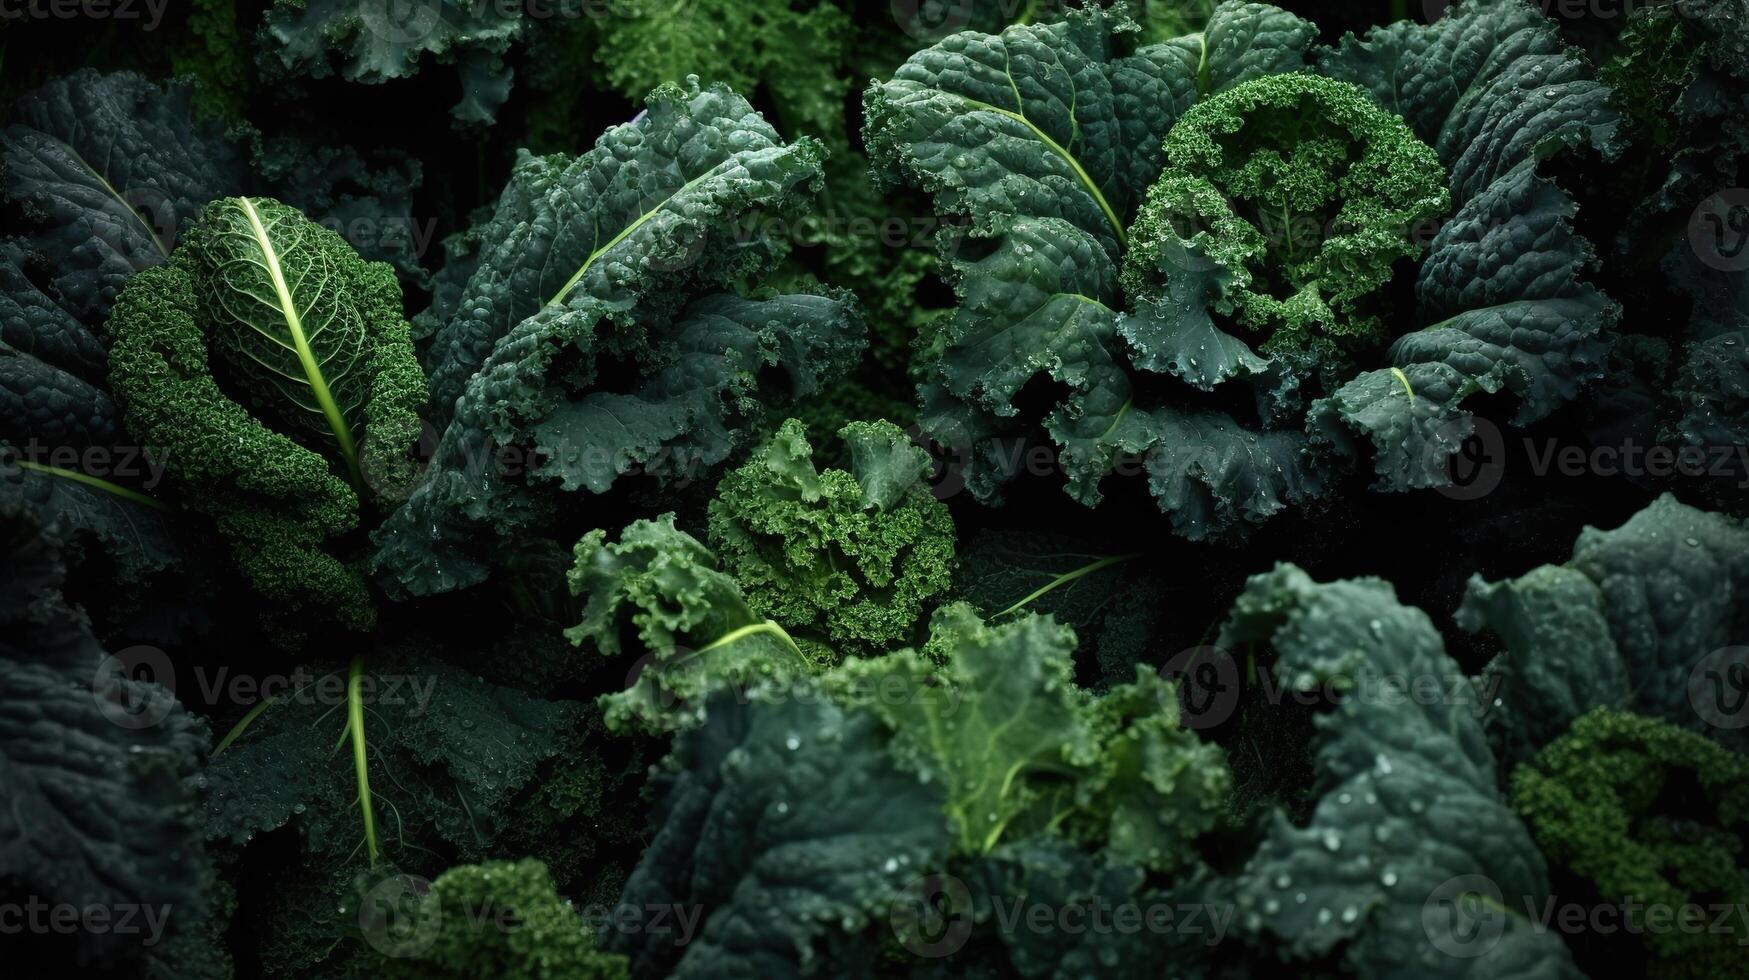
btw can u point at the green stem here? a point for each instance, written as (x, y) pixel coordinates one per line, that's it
(355, 724)
(92, 481)
(294, 322)
(1065, 579)
(752, 629)
(240, 727)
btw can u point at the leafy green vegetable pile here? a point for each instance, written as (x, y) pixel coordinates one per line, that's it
(714, 488)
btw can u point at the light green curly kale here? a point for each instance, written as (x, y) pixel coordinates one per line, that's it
(698, 632)
(1305, 192)
(855, 555)
(501, 919)
(992, 713)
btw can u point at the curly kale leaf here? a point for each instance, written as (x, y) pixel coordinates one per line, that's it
(597, 338)
(855, 555)
(270, 369)
(788, 828)
(620, 233)
(1644, 812)
(497, 919)
(373, 42)
(98, 765)
(105, 169)
(984, 124)
(1629, 622)
(698, 631)
(1501, 299)
(1409, 828)
(1022, 751)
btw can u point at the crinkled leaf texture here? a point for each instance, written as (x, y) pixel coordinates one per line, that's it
(374, 42)
(55, 408)
(787, 828)
(697, 631)
(854, 555)
(1628, 622)
(550, 940)
(1022, 750)
(320, 400)
(1044, 141)
(97, 766)
(1411, 863)
(106, 168)
(1500, 297)
(595, 339)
